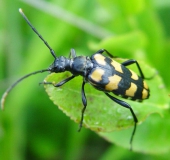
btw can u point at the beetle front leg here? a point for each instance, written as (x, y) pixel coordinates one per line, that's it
(60, 83)
(84, 100)
(72, 53)
(64, 81)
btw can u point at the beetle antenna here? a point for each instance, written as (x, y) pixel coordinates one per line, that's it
(33, 28)
(14, 84)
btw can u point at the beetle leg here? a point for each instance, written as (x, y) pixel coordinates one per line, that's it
(126, 105)
(60, 83)
(132, 61)
(84, 100)
(64, 81)
(72, 53)
(44, 82)
(104, 50)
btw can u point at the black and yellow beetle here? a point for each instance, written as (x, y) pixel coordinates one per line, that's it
(101, 72)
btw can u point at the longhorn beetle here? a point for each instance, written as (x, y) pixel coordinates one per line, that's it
(101, 71)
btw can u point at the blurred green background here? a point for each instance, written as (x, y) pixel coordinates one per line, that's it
(32, 127)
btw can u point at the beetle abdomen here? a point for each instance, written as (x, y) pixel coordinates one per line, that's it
(110, 76)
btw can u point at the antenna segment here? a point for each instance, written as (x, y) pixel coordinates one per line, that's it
(33, 28)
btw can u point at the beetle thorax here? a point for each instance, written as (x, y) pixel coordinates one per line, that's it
(81, 65)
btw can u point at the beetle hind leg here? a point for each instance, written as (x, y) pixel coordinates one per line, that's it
(126, 105)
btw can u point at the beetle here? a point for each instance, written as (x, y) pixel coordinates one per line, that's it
(102, 72)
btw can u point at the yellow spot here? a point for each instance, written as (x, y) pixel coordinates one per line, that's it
(113, 83)
(145, 85)
(100, 59)
(97, 75)
(134, 75)
(131, 91)
(144, 94)
(117, 66)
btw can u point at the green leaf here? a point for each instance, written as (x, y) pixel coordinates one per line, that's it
(129, 42)
(103, 115)
(127, 7)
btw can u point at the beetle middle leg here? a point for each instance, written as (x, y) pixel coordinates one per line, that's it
(132, 61)
(84, 100)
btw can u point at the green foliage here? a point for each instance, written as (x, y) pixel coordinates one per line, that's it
(31, 127)
(103, 115)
